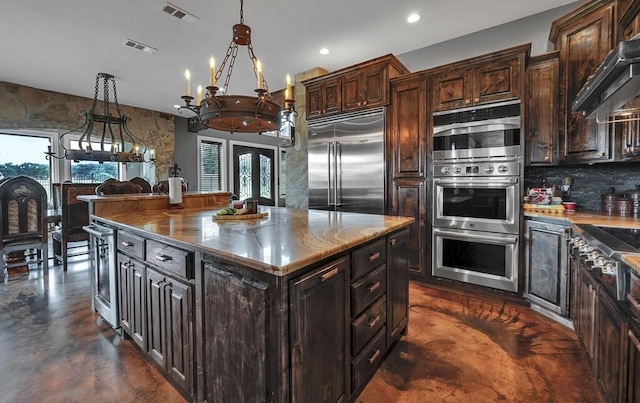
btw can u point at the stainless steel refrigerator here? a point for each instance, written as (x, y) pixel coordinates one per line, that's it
(346, 163)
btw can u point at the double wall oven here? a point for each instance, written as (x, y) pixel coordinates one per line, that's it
(476, 169)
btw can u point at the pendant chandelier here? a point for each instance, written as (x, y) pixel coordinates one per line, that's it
(239, 113)
(110, 131)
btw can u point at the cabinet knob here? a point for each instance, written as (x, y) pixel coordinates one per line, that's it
(393, 242)
(476, 100)
(374, 256)
(467, 101)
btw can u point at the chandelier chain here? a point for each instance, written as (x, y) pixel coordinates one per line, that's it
(94, 104)
(241, 11)
(254, 60)
(115, 98)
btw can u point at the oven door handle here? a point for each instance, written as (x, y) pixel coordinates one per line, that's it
(94, 232)
(497, 240)
(494, 182)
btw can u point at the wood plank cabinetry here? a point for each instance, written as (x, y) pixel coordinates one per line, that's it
(633, 380)
(156, 304)
(357, 87)
(583, 38)
(541, 109)
(546, 273)
(480, 80)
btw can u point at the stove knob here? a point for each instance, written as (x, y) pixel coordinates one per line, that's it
(488, 169)
(594, 255)
(609, 268)
(503, 169)
(445, 170)
(457, 170)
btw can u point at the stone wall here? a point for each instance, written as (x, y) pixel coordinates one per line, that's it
(31, 108)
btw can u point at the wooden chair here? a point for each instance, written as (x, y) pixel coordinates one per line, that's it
(114, 186)
(75, 214)
(23, 226)
(163, 186)
(144, 185)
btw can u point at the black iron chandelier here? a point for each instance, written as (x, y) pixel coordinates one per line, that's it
(109, 130)
(239, 113)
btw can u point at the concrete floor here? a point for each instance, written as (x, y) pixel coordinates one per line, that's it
(458, 349)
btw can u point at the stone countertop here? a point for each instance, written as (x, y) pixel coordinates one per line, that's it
(282, 243)
(145, 196)
(595, 218)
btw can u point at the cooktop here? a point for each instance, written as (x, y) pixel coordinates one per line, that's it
(610, 240)
(630, 236)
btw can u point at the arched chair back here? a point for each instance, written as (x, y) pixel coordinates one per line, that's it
(23, 225)
(114, 187)
(144, 185)
(75, 215)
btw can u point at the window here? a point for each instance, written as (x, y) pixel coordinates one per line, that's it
(211, 165)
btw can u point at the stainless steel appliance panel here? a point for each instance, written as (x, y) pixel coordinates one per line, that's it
(483, 258)
(346, 164)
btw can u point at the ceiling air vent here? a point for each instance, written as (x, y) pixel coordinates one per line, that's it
(179, 13)
(139, 46)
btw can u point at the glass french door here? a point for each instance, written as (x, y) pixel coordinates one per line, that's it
(254, 174)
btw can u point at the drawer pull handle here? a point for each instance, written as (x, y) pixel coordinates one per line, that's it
(375, 321)
(374, 256)
(164, 258)
(329, 274)
(127, 244)
(634, 339)
(393, 242)
(374, 356)
(374, 286)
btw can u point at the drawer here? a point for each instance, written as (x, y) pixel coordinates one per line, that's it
(367, 290)
(131, 245)
(365, 326)
(170, 259)
(368, 258)
(366, 363)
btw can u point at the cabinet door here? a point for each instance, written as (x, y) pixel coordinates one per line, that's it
(156, 317)
(452, 89)
(352, 91)
(314, 102)
(541, 118)
(375, 84)
(630, 134)
(320, 321)
(611, 350)
(633, 379)
(407, 143)
(332, 96)
(397, 285)
(496, 80)
(546, 265)
(179, 332)
(124, 291)
(583, 45)
(138, 304)
(409, 199)
(586, 319)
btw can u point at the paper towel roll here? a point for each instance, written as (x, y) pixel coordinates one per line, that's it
(175, 190)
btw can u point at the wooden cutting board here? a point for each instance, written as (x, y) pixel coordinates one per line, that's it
(240, 216)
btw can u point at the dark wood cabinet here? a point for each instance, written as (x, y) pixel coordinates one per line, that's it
(583, 38)
(585, 321)
(633, 369)
(611, 349)
(475, 81)
(320, 334)
(546, 282)
(361, 86)
(408, 145)
(541, 109)
(398, 285)
(156, 317)
(324, 98)
(132, 299)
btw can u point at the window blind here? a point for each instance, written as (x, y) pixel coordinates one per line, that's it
(210, 166)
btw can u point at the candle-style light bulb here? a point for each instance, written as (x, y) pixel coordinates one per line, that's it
(187, 75)
(259, 73)
(199, 95)
(212, 72)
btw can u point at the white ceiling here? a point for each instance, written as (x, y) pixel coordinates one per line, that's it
(62, 45)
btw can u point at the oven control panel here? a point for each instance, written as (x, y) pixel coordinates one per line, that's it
(498, 168)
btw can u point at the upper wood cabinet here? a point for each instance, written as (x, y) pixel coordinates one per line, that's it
(583, 39)
(541, 110)
(488, 78)
(357, 87)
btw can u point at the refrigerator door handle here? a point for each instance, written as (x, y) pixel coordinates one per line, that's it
(331, 187)
(338, 190)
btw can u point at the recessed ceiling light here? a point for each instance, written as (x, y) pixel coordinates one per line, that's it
(413, 18)
(324, 51)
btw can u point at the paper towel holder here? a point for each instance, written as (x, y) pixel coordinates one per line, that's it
(175, 187)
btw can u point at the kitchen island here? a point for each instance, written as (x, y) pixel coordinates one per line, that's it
(301, 305)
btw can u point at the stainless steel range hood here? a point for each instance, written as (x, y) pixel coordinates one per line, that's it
(614, 83)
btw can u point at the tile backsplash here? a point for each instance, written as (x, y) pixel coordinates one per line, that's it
(589, 181)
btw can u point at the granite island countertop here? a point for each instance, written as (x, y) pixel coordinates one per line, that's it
(283, 242)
